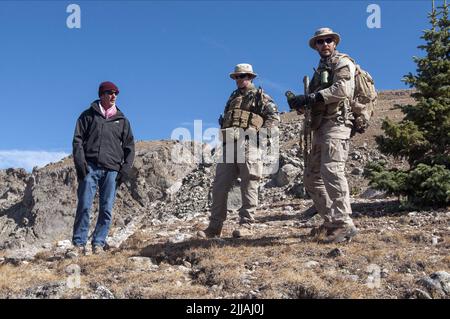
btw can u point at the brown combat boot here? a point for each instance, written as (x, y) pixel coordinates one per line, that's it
(341, 234)
(210, 232)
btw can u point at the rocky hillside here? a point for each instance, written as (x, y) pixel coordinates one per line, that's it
(154, 253)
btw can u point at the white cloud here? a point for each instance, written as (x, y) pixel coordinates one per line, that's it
(28, 159)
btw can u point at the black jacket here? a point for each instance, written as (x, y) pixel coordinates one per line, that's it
(108, 143)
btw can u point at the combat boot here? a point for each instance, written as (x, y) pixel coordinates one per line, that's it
(319, 231)
(341, 234)
(210, 232)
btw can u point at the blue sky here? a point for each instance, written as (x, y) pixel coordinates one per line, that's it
(171, 59)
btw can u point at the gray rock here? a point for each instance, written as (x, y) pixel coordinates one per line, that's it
(71, 254)
(65, 244)
(143, 263)
(357, 171)
(103, 293)
(444, 279)
(286, 175)
(48, 291)
(437, 284)
(336, 252)
(419, 294)
(16, 257)
(171, 191)
(311, 264)
(124, 233)
(371, 193)
(179, 238)
(47, 246)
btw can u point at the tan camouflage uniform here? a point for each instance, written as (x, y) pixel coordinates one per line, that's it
(250, 171)
(325, 178)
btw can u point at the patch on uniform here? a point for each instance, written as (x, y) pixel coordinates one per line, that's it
(344, 73)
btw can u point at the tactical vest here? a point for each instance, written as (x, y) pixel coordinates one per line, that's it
(323, 79)
(244, 111)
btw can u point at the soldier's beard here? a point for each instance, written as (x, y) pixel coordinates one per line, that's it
(244, 85)
(326, 53)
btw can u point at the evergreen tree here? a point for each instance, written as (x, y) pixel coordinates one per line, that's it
(423, 136)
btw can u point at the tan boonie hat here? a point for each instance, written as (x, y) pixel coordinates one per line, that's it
(323, 32)
(243, 68)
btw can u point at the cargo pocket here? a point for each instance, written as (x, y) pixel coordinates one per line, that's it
(338, 149)
(255, 169)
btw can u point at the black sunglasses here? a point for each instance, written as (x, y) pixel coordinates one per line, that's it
(242, 76)
(111, 92)
(327, 40)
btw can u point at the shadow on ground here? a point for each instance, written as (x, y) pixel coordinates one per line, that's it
(376, 209)
(176, 253)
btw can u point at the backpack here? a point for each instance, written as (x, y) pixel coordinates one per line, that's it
(364, 99)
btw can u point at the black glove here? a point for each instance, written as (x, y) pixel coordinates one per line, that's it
(296, 102)
(314, 98)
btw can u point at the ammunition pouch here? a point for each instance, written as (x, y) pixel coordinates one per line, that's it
(340, 114)
(243, 119)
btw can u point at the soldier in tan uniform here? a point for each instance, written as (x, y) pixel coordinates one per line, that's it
(330, 91)
(248, 112)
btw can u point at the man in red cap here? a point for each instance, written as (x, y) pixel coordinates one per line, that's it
(103, 153)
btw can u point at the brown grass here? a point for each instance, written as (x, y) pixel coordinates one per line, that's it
(269, 265)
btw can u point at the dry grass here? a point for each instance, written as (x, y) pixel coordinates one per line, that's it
(271, 264)
(13, 281)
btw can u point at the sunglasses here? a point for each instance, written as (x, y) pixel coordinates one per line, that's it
(322, 41)
(111, 92)
(242, 76)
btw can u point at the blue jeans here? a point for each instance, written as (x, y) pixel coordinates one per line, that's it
(106, 180)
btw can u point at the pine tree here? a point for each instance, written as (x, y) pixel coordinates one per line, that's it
(423, 136)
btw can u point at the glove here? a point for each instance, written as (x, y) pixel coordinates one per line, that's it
(296, 102)
(314, 98)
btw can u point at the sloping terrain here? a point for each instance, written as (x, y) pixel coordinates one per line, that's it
(154, 252)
